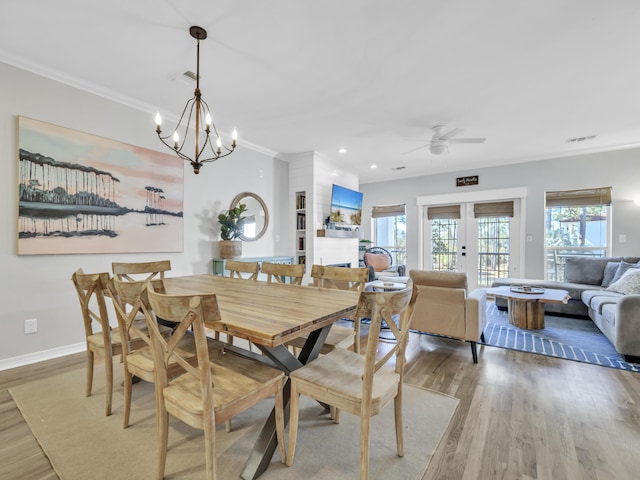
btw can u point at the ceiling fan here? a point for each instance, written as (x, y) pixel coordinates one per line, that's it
(439, 143)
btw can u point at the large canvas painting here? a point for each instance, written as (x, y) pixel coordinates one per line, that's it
(80, 193)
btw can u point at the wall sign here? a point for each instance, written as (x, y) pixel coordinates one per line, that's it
(466, 181)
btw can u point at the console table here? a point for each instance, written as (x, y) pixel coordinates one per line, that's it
(219, 263)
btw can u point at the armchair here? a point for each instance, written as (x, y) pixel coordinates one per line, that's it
(380, 264)
(444, 308)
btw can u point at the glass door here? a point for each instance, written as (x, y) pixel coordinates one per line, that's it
(473, 237)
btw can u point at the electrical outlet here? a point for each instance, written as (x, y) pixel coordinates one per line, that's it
(31, 326)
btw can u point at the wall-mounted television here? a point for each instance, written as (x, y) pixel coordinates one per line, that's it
(346, 206)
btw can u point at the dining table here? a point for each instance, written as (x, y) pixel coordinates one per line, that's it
(269, 315)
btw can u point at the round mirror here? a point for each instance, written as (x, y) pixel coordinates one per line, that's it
(257, 215)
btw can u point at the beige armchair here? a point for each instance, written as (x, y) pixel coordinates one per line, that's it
(444, 308)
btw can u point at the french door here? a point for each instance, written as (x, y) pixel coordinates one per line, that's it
(479, 238)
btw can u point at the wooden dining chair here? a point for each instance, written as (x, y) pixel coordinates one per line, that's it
(142, 271)
(279, 272)
(104, 340)
(344, 279)
(132, 271)
(360, 384)
(128, 300)
(237, 268)
(217, 388)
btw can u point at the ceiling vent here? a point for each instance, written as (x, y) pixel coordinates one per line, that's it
(398, 168)
(190, 74)
(580, 139)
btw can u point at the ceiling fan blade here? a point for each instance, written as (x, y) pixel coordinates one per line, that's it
(451, 133)
(416, 149)
(467, 140)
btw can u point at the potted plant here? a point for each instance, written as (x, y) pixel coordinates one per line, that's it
(231, 227)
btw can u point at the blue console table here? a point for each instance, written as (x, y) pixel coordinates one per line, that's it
(219, 263)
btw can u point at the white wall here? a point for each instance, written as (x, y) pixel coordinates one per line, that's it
(619, 169)
(40, 286)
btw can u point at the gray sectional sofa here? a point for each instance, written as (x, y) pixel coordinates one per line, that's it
(616, 314)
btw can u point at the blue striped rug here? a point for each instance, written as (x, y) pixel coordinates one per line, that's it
(569, 338)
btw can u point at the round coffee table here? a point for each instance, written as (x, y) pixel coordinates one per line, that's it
(526, 310)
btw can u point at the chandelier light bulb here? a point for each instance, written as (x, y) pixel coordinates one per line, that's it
(207, 120)
(176, 139)
(158, 119)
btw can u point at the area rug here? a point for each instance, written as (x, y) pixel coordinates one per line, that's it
(562, 337)
(81, 442)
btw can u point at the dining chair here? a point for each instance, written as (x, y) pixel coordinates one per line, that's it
(361, 384)
(104, 340)
(128, 299)
(142, 271)
(279, 272)
(237, 268)
(217, 388)
(344, 279)
(133, 271)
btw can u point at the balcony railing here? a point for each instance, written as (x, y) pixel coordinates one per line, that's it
(556, 257)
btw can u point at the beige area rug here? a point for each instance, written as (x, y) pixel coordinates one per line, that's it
(81, 442)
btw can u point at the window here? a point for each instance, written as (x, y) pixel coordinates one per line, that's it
(390, 230)
(444, 236)
(493, 240)
(576, 223)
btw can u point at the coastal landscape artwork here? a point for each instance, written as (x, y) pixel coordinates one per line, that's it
(80, 194)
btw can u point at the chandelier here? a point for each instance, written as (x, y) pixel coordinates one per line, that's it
(198, 108)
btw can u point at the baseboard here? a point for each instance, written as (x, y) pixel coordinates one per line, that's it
(36, 357)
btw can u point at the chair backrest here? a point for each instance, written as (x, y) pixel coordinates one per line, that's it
(91, 288)
(191, 311)
(237, 268)
(396, 310)
(128, 300)
(377, 257)
(276, 272)
(340, 277)
(133, 271)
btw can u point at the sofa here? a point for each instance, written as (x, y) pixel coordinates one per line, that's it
(604, 289)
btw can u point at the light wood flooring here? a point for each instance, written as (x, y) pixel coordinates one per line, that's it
(521, 416)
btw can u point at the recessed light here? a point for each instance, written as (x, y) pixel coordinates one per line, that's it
(374, 166)
(342, 150)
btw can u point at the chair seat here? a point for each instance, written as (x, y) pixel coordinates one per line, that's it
(234, 378)
(97, 339)
(140, 362)
(339, 337)
(336, 378)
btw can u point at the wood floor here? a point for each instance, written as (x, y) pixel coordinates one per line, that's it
(521, 416)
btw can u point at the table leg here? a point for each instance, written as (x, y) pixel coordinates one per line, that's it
(266, 444)
(527, 315)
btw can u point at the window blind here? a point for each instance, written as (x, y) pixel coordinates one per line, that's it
(493, 209)
(579, 198)
(446, 211)
(388, 210)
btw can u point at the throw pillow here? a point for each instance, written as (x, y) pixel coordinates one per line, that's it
(629, 283)
(379, 261)
(622, 268)
(609, 272)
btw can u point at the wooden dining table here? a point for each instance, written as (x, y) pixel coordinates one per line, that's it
(269, 315)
